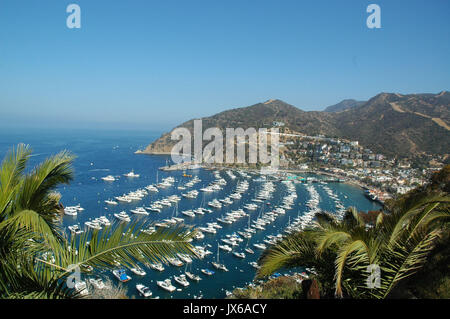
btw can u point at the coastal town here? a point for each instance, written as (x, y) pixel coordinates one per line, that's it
(341, 160)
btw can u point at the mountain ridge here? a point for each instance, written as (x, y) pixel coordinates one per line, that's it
(401, 125)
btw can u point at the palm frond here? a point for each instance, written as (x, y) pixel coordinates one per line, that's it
(127, 246)
(10, 176)
(295, 250)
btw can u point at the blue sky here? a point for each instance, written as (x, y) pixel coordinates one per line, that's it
(153, 64)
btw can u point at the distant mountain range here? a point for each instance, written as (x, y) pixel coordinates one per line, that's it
(389, 123)
(344, 105)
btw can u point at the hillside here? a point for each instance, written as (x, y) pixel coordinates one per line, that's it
(344, 105)
(389, 123)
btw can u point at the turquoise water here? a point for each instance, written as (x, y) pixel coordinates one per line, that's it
(111, 153)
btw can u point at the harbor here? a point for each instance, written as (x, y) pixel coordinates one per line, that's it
(238, 213)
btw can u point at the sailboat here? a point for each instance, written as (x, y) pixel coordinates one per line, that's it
(248, 249)
(175, 219)
(217, 264)
(202, 208)
(191, 275)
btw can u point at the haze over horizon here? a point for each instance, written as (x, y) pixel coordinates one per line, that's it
(153, 65)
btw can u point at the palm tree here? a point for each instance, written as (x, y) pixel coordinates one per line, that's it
(344, 251)
(30, 232)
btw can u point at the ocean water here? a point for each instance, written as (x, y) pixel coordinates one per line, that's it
(101, 153)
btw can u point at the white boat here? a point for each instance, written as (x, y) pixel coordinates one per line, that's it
(152, 188)
(254, 264)
(189, 213)
(93, 225)
(121, 275)
(139, 211)
(131, 174)
(249, 250)
(166, 284)
(208, 230)
(239, 255)
(193, 276)
(138, 271)
(225, 247)
(76, 229)
(175, 262)
(111, 202)
(109, 178)
(103, 220)
(207, 272)
(185, 258)
(70, 211)
(144, 290)
(217, 264)
(124, 199)
(181, 279)
(81, 288)
(123, 216)
(260, 246)
(97, 283)
(154, 208)
(157, 266)
(199, 235)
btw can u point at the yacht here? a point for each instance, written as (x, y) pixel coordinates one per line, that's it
(206, 210)
(139, 211)
(178, 219)
(217, 263)
(93, 225)
(123, 216)
(138, 271)
(121, 275)
(189, 213)
(254, 264)
(207, 272)
(157, 266)
(143, 290)
(192, 276)
(167, 285)
(152, 188)
(131, 174)
(260, 246)
(111, 202)
(199, 235)
(249, 250)
(124, 199)
(199, 211)
(97, 283)
(175, 262)
(76, 229)
(181, 279)
(154, 208)
(226, 248)
(81, 288)
(109, 178)
(103, 220)
(239, 255)
(208, 230)
(70, 211)
(185, 258)
(150, 230)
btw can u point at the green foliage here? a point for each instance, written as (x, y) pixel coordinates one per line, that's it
(399, 242)
(278, 288)
(31, 233)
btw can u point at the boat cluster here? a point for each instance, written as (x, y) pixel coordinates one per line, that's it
(131, 196)
(306, 219)
(340, 209)
(230, 242)
(73, 210)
